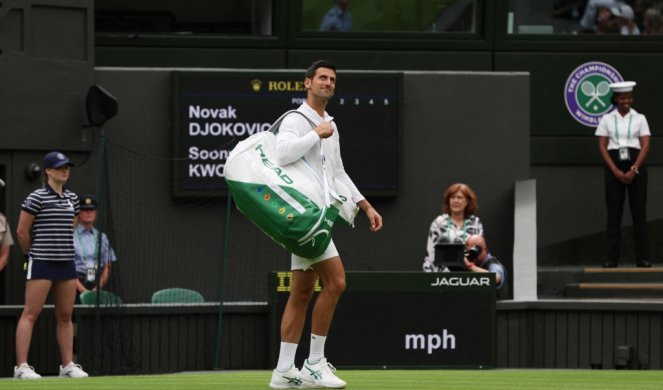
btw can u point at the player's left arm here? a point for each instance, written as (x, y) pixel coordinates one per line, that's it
(374, 217)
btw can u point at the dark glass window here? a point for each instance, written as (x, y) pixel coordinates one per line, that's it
(616, 17)
(215, 17)
(438, 16)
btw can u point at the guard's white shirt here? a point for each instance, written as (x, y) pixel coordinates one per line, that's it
(638, 125)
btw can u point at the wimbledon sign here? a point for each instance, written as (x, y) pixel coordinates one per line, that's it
(587, 92)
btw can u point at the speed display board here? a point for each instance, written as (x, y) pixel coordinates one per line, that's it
(402, 319)
(213, 110)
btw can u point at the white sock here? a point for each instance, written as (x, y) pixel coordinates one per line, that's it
(317, 348)
(286, 356)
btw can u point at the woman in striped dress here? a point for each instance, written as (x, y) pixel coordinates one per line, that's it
(46, 235)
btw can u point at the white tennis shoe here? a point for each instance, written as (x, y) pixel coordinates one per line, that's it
(322, 373)
(291, 379)
(72, 370)
(25, 372)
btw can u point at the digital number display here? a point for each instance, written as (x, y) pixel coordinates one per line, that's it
(215, 110)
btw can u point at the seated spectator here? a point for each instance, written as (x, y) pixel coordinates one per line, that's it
(589, 20)
(605, 22)
(456, 223)
(652, 22)
(639, 8)
(623, 19)
(338, 18)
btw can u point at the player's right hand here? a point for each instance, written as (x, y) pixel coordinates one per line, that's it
(324, 129)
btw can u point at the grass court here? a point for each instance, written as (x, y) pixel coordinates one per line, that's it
(368, 380)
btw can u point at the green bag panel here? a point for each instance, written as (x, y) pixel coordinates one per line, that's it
(281, 221)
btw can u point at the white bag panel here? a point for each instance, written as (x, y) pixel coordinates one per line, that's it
(244, 164)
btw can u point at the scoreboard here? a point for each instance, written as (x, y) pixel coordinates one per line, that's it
(214, 110)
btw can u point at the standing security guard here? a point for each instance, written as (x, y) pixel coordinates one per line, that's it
(624, 139)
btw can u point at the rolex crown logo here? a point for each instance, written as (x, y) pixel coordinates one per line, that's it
(256, 85)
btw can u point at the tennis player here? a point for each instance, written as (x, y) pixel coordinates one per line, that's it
(296, 140)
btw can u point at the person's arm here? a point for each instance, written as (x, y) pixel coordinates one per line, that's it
(475, 268)
(644, 152)
(342, 176)
(80, 287)
(107, 257)
(374, 218)
(499, 274)
(644, 135)
(25, 221)
(588, 19)
(603, 149)
(4, 256)
(335, 163)
(292, 143)
(429, 260)
(478, 227)
(104, 276)
(6, 241)
(327, 22)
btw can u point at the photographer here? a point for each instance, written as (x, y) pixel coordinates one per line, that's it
(478, 259)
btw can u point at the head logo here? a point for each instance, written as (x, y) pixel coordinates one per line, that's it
(587, 91)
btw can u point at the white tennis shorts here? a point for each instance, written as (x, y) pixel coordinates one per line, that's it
(304, 263)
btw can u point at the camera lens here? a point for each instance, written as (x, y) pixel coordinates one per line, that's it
(473, 253)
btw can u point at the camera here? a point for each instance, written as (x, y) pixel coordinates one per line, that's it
(473, 253)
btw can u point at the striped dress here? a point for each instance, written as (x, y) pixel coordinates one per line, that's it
(53, 228)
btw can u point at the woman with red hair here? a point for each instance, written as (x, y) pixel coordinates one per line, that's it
(456, 223)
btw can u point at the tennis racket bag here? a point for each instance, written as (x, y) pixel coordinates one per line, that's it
(286, 202)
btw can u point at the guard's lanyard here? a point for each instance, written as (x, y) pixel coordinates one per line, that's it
(90, 262)
(628, 133)
(464, 229)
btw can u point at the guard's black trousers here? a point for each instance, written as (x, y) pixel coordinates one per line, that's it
(615, 194)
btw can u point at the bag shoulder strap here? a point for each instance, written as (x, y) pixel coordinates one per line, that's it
(274, 128)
